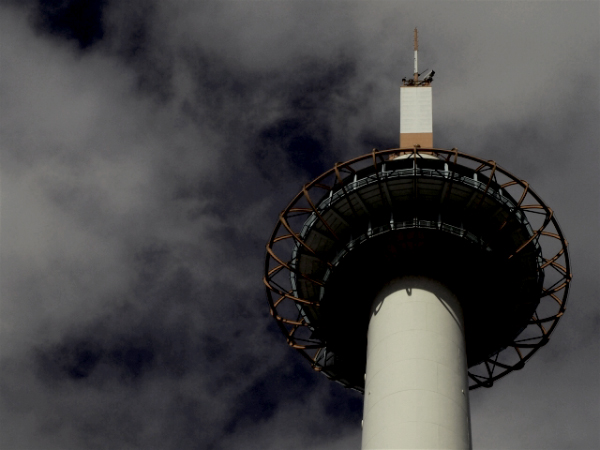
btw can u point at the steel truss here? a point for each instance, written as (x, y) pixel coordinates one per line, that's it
(286, 306)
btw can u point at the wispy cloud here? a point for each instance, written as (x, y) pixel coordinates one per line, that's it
(146, 152)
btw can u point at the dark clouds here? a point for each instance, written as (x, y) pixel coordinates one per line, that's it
(77, 20)
(147, 149)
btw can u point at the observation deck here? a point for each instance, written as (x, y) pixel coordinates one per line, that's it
(438, 213)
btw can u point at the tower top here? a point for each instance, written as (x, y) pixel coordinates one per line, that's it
(416, 39)
(416, 123)
(428, 75)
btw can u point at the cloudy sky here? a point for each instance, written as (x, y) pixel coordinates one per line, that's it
(146, 150)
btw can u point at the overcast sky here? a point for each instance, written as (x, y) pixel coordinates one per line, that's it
(146, 150)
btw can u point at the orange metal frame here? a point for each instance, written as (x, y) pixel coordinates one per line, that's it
(555, 260)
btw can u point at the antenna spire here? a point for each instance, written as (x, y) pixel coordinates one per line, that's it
(416, 72)
(416, 40)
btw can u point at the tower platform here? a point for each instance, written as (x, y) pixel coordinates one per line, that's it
(424, 212)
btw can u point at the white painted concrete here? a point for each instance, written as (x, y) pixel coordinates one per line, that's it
(416, 388)
(416, 114)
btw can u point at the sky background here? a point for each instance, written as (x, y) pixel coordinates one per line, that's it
(147, 148)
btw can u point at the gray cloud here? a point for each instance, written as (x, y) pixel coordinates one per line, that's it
(144, 164)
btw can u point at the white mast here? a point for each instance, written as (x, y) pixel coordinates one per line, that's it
(416, 59)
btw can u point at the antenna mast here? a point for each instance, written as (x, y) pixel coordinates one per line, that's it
(416, 72)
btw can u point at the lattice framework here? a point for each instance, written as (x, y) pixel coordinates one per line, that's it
(555, 263)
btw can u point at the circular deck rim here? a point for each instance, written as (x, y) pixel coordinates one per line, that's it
(535, 335)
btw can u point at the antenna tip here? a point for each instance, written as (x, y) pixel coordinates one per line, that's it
(416, 39)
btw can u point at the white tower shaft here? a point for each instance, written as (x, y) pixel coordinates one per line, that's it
(416, 387)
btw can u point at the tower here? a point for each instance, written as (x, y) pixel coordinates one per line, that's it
(415, 275)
